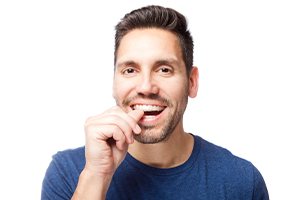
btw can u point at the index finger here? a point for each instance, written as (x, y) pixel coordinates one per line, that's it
(136, 115)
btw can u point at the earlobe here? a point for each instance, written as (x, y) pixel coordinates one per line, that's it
(193, 82)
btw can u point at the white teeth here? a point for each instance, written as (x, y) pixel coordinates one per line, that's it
(148, 108)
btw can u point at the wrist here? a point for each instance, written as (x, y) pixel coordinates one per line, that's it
(96, 175)
(92, 185)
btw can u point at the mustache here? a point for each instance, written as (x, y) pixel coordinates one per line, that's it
(156, 97)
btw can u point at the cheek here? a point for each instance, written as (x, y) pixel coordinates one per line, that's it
(176, 89)
(121, 88)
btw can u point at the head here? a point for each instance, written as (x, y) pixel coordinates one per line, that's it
(162, 18)
(153, 70)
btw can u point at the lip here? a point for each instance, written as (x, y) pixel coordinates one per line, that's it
(150, 119)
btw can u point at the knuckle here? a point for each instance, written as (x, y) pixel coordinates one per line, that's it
(114, 118)
(88, 121)
(114, 109)
(114, 129)
(89, 130)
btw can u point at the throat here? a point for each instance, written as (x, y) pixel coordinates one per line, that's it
(166, 154)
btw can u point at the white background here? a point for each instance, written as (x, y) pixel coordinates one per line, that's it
(56, 67)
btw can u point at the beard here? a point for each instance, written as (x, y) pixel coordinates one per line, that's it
(152, 134)
(159, 132)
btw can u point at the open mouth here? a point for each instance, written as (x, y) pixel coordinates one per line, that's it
(149, 110)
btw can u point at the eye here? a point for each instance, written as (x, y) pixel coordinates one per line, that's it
(129, 71)
(165, 70)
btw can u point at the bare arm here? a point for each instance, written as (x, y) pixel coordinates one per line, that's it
(107, 138)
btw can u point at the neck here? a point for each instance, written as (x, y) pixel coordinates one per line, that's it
(170, 153)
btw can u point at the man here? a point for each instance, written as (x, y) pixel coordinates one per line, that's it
(139, 149)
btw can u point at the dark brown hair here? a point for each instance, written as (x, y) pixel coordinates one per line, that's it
(162, 18)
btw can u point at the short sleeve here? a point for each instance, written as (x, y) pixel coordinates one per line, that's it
(56, 184)
(260, 191)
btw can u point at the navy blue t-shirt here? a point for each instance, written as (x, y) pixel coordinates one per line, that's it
(211, 172)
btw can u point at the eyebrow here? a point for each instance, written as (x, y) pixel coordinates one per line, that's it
(168, 61)
(125, 63)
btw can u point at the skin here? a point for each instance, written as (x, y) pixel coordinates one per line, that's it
(149, 71)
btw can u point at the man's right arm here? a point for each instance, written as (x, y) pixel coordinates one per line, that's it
(91, 186)
(107, 138)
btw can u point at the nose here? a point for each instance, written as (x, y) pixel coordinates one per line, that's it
(147, 86)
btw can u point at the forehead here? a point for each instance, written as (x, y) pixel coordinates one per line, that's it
(148, 44)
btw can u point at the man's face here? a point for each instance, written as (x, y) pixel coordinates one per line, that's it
(150, 75)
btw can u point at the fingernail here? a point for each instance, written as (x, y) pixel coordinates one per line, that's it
(137, 129)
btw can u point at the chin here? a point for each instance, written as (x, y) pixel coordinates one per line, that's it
(152, 137)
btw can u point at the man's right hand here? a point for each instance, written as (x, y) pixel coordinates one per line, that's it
(107, 138)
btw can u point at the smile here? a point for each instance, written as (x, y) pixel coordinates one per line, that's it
(151, 112)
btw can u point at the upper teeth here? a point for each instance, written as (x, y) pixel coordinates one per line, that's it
(148, 107)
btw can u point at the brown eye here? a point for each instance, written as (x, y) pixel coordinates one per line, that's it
(128, 71)
(165, 70)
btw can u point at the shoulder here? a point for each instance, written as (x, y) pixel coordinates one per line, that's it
(62, 174)
(69, 163)
(236, 172)
(221, 157)
(70, 156)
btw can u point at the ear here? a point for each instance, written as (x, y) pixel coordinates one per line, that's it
(193, 82)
